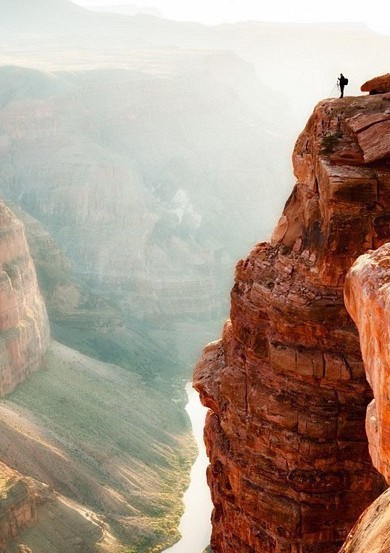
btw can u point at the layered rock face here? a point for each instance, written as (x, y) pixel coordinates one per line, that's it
(289, 465)
(24, 327)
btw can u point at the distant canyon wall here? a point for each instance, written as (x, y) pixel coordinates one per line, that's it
(24, 327)
(142, 180)
(289, 468)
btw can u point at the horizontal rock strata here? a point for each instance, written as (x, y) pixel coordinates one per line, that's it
(289, 465)
(24, 327)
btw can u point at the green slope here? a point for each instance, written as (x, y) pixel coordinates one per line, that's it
(98, 435)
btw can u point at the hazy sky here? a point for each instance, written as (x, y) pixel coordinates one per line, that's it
(372, 12)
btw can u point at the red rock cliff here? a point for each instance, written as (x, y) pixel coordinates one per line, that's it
(24, 328)
(289, 465)
(367, 297)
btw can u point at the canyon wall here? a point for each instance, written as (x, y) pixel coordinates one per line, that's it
(140, 179)
(24, 327)
(289, 465)
(24, 336)
(68, 300)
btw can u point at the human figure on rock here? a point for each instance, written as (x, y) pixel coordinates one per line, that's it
(341, 83)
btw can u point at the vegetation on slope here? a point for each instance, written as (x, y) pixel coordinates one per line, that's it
(98, 435)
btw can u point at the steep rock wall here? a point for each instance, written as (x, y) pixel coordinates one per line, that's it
(289, 465)
(24, 327)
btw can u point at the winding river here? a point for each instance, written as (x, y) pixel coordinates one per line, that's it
(195, 527)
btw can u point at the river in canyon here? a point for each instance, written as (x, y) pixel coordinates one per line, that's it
(195, 526)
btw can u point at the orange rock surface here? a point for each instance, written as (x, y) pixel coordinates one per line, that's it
(289, 465)
(24, 327)
(367, 297)
(378, 85)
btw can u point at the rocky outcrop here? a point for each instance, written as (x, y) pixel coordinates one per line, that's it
(17, 505)
(34, 517)
(378, 85)
(367, 297)
(24, 328)
(289, 465)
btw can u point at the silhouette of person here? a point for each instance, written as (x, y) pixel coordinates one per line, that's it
(341, 82)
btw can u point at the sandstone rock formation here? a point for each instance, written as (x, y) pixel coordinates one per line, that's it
(34, 518)
(371, 534)
(367, 297)
(289, 465)
(17, 505)
(24, 328)
(378, 85)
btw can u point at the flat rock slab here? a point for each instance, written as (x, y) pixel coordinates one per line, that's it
(360, 122)
(372, 132)
(375, 141)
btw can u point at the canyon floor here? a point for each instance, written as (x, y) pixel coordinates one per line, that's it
(98, 435)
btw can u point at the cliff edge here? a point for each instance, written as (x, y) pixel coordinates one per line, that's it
(289, 467)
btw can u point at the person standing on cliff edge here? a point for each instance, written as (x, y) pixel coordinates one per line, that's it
(341, 83)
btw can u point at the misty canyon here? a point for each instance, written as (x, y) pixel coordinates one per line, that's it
(290, 470)
(139, 158)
